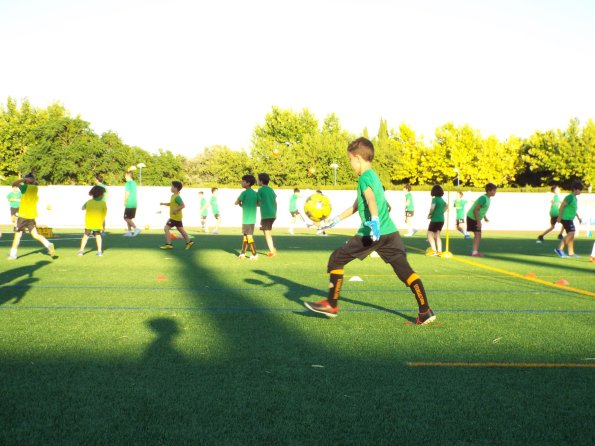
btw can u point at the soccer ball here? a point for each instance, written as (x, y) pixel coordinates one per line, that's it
(276, 152)
(317, 207)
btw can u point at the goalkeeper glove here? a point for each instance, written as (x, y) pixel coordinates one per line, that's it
(374, 226)
(334, 222)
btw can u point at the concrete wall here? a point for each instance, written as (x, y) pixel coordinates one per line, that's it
(60, 207)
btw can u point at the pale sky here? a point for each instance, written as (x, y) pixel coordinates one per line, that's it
(181, 75)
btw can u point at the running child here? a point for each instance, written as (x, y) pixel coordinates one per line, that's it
(214, 203)
(267, 200)
(554, 212)
(376, 233)
(204, 211)
(566, 216)
(294, 211)
(14, 199)
(459, 205)
(247, 201)
(96, 210)
(436, 217)
(27, 214)
(176, 204)
(409, 211)
(476, 214)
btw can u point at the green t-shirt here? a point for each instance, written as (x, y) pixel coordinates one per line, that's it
(248, 198)
(369, 179)
(293, 203)
(409, 202)
(555, 207)
(130, 187)
(569, 211)
(214, 205)
(204, 211)
(105, 193)
(14, 198)
(438, 213)
(484, 202)
(268, 202)
(460, 204)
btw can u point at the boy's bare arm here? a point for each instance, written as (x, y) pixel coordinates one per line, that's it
(371, 200)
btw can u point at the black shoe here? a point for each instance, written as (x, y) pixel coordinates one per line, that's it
(560, 237)
(425, 318)
(540, 239)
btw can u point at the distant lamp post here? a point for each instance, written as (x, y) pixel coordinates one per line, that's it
(140, 175)
(457, 172)
(335, 166)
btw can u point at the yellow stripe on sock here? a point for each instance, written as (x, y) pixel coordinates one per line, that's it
(412, 278)
(338, 271)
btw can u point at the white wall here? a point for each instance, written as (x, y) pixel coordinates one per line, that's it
(60, 207)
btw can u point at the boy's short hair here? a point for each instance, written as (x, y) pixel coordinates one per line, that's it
(201, 192)
(177, 185)
(554, 187)
(130, 174)
(576, 185)
(249, 179)
(97, 191)
(213, 189)
(99, 177)
(408, 187)
(437, 191)
(296, 190)
(264, 178)
(362, 147)
(490, 187)
(318, 191)
(460, 192)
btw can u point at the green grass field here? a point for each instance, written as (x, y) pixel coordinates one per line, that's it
(145, 346)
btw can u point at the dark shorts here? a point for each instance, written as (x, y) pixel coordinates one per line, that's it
(266, 224)
(203, 216)
(408, 213)
(553, 221)
(216, 216)
(568, 226)
(174, 223)
(13, 211)
(460, 221)
(472, 225)
(435, 226)
(25, 224)
(390, 248)
(294, 213)
(248, 229)
(129, 213)
(92, 231)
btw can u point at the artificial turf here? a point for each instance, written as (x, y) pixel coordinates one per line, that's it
(144, 346)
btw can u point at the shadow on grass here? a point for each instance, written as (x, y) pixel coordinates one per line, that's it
(263, 377)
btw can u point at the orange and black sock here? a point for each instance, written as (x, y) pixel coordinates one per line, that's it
(417, 287)
(335, 286)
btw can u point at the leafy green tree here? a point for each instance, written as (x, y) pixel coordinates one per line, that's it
(218, 165)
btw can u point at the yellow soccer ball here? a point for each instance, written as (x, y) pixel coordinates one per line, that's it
(317, 207)
(147, 227)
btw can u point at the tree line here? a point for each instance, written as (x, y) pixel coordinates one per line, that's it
(296, 149)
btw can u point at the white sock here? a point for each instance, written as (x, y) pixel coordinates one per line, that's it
(46, 244)
(593, 251)
(13, 252)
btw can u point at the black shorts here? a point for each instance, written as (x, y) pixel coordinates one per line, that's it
(435, 226)
(92, 231)
(408, 213)
(26, 223)
(248, 229)
(472, 225)
(216, 216)
(568, 226)
(13, 211)
(204, 216)
(266, 224)
(294, 213)
(174, 223)
(460, 220)
(129, 213)
(390, 248)
(553, 221)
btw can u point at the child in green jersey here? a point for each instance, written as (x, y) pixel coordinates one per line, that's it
(204, 211)
(568, 212)
(436, 217)
(409, 211)
(130, 203)
(377, 233)
(176, 204)
(96, 209)
(459, 206)
(214, 203)
(247, 201)
(26, 216)
(294, 211)
(14, 199)
(554, 212)
(267, 200)
(476, 214)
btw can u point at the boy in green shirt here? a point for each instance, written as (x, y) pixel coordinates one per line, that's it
(176, 204)
(476, 214)
(267, 200)
(130, 205)
(459, 206)
(247, 201)
(294, 211)
(14, 198)
(409, 211)
(377, 233)
(436, 217)
(554, 212)
(204, 211)
(215, 209)
(26, 216)
(568, 212)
